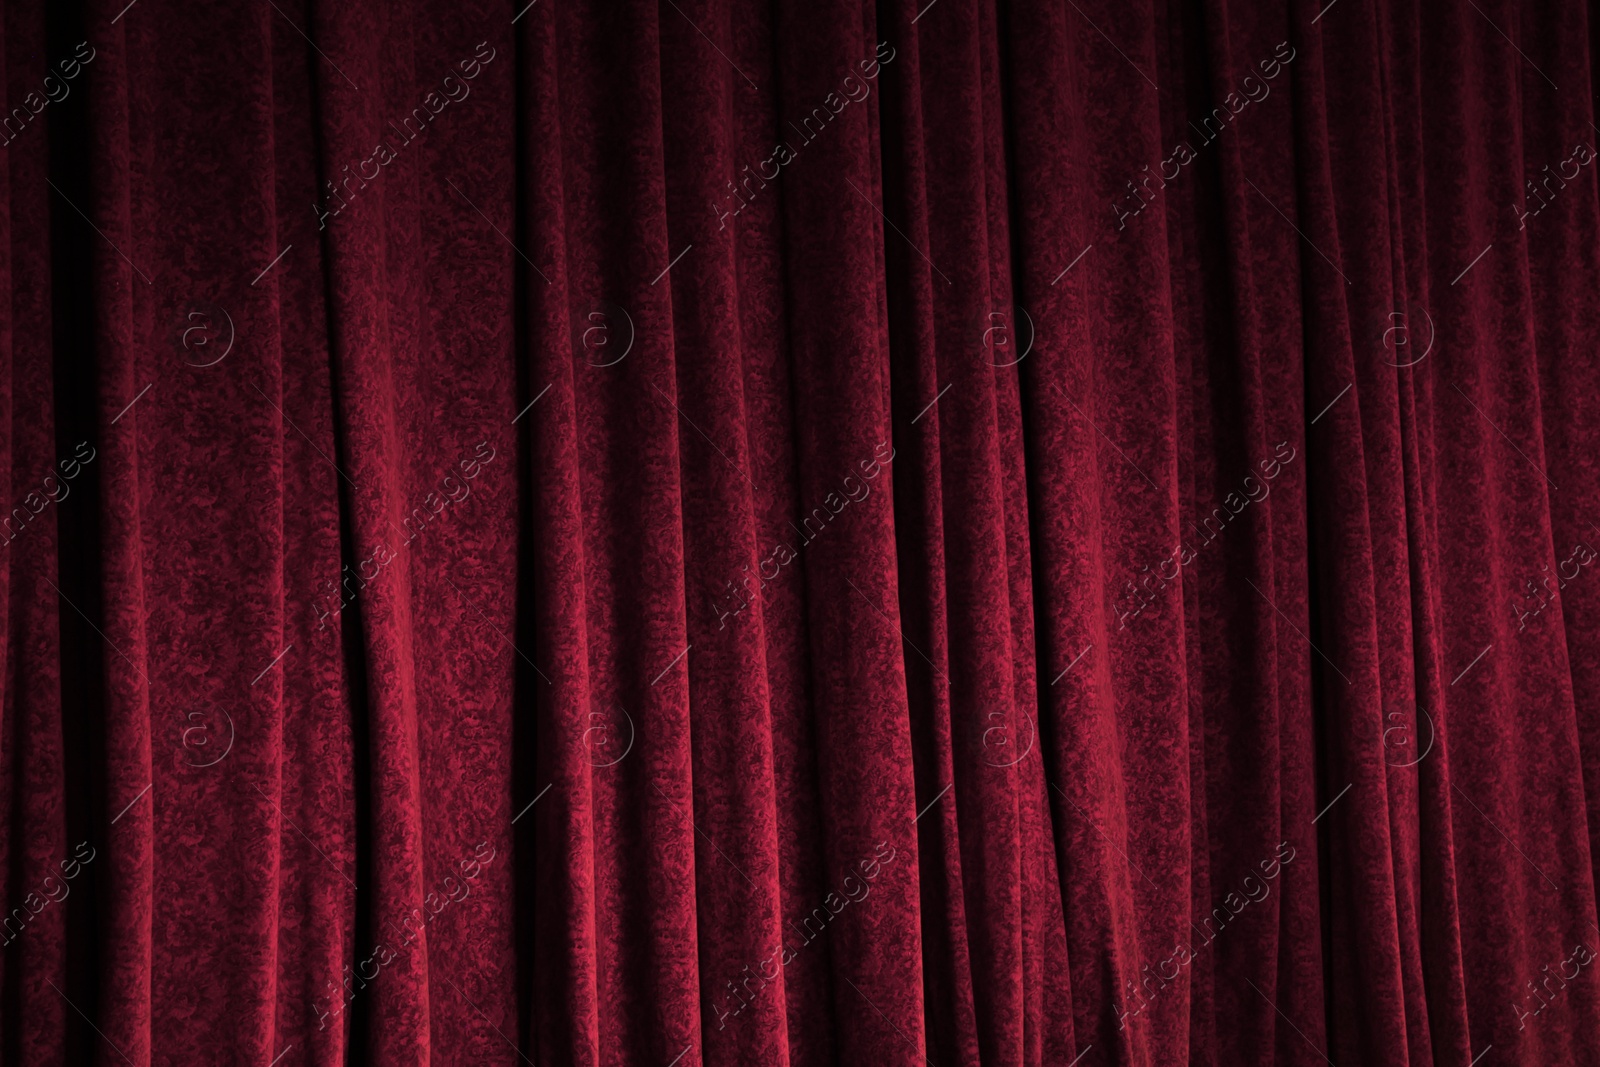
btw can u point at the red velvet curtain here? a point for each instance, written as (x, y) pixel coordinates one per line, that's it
(921, 532)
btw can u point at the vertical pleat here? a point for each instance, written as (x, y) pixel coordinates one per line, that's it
(728, 557)
(126, 818)
(867, 794)
(566, 991)
(314, 829)
(33, 763)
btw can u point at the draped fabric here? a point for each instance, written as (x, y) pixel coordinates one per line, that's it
(768, 533)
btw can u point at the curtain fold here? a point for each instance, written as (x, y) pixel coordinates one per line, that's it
(695, 532)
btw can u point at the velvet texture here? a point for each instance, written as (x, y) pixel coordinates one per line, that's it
(742, 533)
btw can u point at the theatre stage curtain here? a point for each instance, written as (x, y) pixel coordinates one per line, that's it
(739, 533)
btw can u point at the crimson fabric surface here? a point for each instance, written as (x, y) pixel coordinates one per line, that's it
(773, 533)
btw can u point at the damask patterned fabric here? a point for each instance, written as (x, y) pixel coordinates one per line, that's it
(935, 531)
